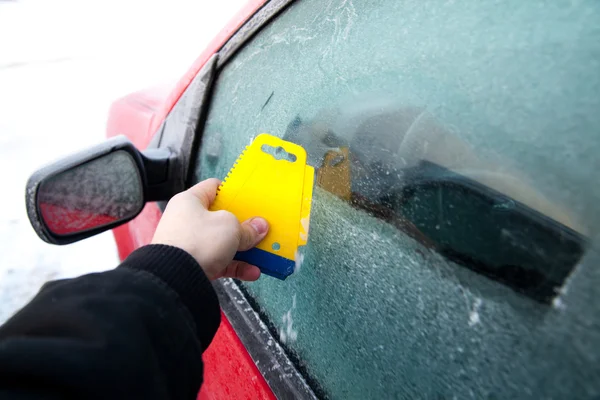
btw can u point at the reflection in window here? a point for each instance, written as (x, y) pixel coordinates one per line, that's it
(381, 164)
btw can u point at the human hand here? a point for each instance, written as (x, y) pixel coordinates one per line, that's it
(211, 237)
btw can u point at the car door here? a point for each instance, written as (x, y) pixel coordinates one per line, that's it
(453, 244)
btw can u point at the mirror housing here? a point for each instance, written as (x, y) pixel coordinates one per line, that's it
(98, 189)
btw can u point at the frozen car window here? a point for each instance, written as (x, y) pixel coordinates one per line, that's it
(453, 243)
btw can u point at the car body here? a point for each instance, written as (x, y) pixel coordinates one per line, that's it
(453, 227)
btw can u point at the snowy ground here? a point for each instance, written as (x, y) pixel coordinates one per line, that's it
(62, 63)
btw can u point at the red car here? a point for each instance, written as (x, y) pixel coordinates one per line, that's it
(453, 249)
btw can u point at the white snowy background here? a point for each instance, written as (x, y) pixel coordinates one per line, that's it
(62, 63)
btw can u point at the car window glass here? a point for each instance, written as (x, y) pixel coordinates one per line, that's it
(451, 250)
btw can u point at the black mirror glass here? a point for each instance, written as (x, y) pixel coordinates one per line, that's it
(97, 193)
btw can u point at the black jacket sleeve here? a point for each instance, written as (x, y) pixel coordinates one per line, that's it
(136, 332)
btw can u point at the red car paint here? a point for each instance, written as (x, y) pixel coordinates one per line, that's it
(133, 115)
(229, 372)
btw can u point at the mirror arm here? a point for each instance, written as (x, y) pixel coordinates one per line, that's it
(161, 179)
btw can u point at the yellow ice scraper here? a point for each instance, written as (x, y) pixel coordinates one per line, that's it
(270, 179)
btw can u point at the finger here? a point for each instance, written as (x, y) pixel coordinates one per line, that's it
(241, 270)
(253, 231)
(206, 191)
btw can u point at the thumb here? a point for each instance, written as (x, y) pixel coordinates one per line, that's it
(253, 231)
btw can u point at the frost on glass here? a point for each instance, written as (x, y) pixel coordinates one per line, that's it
(453, 250)
(97, 193)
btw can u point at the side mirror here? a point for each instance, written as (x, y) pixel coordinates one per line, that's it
(96, 190)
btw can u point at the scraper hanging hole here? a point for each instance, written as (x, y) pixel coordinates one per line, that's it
(278, 153)
(276, 246)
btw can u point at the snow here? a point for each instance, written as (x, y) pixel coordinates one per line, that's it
(474, 318)
(62, 63)
(289, 332)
